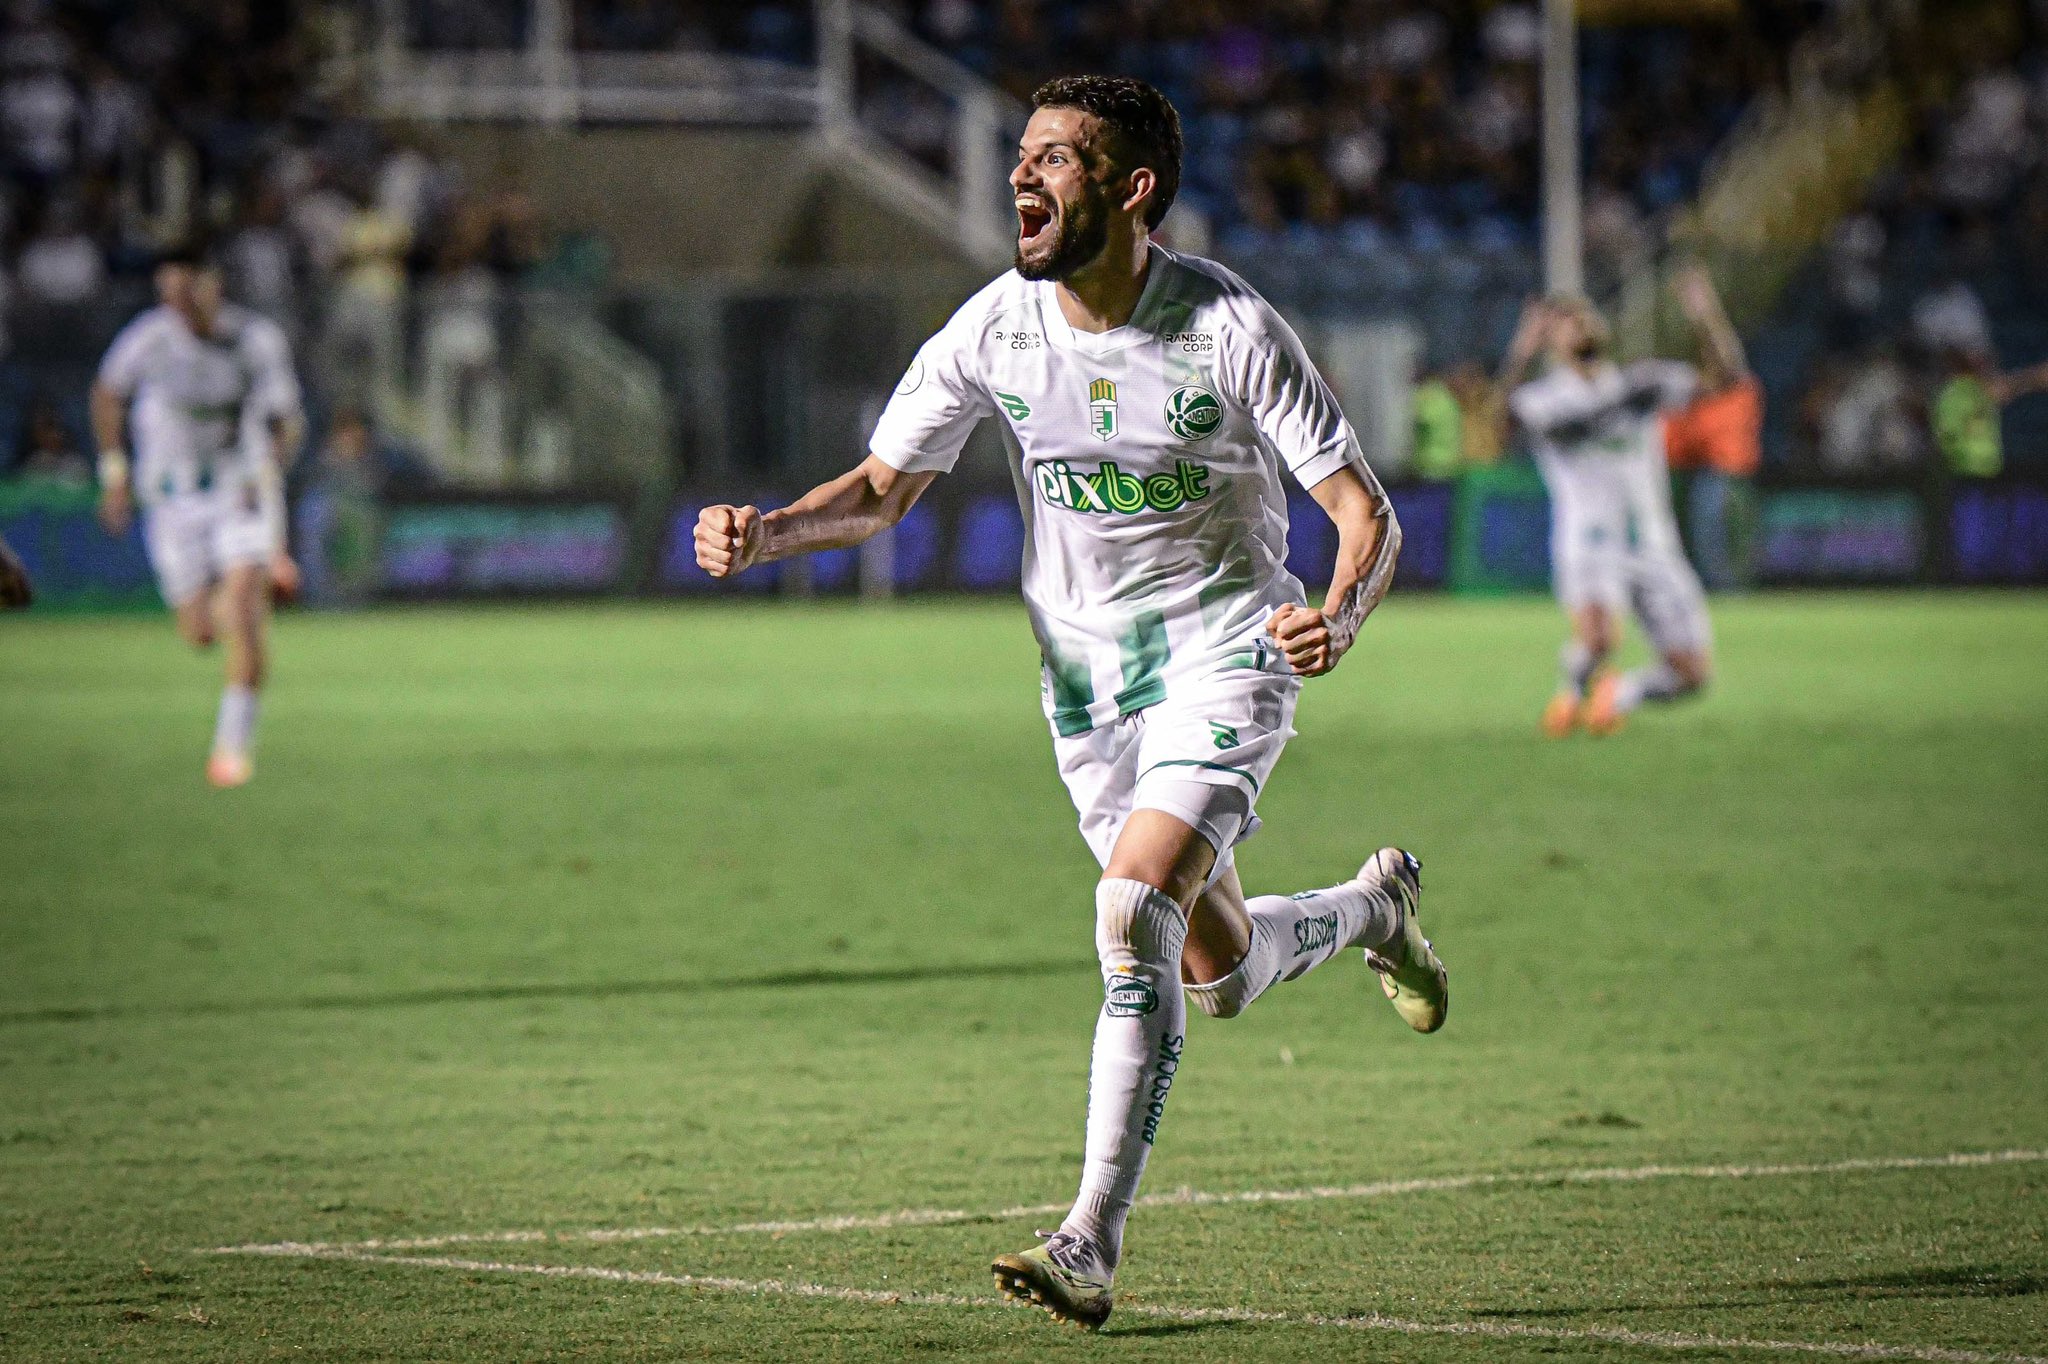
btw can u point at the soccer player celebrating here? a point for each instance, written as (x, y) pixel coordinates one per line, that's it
(216, 421)
(1597, 432)
(1148, 400)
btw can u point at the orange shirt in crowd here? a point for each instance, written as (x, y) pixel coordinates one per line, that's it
(1722, 430)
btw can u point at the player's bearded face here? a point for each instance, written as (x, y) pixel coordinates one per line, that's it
(1058, 235)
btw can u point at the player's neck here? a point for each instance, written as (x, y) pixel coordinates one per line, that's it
(1102, 295)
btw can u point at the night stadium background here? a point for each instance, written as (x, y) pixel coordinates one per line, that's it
(613, 961)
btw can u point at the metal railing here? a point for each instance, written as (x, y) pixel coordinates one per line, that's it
(967, 194)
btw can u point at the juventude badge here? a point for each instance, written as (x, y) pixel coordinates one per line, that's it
(1102, 408)
(1192, 412)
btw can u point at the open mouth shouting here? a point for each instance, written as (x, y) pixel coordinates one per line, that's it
(1034, 221)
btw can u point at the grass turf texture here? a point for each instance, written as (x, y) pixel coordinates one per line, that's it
(618, 918)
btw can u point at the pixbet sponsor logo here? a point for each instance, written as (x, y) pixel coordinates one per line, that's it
(1111, 489)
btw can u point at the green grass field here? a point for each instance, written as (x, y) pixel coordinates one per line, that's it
(543, 921)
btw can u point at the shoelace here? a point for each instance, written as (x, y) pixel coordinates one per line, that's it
(1068, 1251)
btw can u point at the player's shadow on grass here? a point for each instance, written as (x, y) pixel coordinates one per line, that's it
(587, 990)
(1175, 1328)
(1962, 1281)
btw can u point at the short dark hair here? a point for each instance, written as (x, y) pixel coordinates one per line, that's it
(194, 253)
(1140, 123)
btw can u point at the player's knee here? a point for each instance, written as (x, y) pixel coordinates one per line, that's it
(196, 628)
(1137, 923)
(1228, 997)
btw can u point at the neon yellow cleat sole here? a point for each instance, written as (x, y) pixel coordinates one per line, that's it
(1035, 1278)
(1410, 974)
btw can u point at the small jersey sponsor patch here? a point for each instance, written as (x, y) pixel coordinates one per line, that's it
(913, 377)
(1129, 997)
(1102, 409)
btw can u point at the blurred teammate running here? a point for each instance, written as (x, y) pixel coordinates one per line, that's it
(1149, 401)
(216, 420)
(1597, 431)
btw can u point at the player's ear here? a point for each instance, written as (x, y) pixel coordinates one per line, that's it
(1143, 184)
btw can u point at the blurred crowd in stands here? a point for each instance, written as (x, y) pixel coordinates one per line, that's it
(129, 127)
(1359, 122)
(1928, 310)
(1376, 131)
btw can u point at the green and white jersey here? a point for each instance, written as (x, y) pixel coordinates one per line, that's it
(1599, 441)
(202, 405)
(1147, 461)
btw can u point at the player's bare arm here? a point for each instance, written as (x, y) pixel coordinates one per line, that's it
(1532, 334)
(858, 504)
(109, 428)
(1368, 543)
(1720, 347)
(287, 437)
(2004, 388)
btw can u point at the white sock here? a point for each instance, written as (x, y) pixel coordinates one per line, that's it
(1294, 934)
(1575, 664)
(1138, 1039)
(234, 728)
(1651, 682)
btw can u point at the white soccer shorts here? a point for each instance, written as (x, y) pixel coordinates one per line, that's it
(1202, 755)
(1658, 586)
(194, 539)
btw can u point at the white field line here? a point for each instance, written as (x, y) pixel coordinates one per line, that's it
(1614, 1335)
(934, 1217)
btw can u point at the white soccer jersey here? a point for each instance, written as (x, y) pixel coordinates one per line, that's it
(202, 406)
(1599, 441)
(1147, 461)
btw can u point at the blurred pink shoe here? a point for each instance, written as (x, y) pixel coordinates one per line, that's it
(225, 769)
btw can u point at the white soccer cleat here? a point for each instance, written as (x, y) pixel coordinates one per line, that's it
(1064, 1276)
(1410, 974)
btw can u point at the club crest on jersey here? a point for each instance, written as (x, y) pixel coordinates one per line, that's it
(1102, 409)
(1192, 412)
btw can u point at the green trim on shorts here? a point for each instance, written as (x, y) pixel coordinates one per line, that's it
(1201, 762)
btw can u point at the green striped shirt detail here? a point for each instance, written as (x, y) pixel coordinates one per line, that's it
(1144, 653)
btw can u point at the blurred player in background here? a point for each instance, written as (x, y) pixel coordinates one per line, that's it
(1597, 431)
(216, 421)
(1149, 401)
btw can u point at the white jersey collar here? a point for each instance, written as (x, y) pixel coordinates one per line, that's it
(1136, 330)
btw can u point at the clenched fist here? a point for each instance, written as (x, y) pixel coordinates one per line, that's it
(1304, 636)
(728, 539)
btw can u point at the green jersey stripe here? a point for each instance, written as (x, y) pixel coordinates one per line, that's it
(1144, 652)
